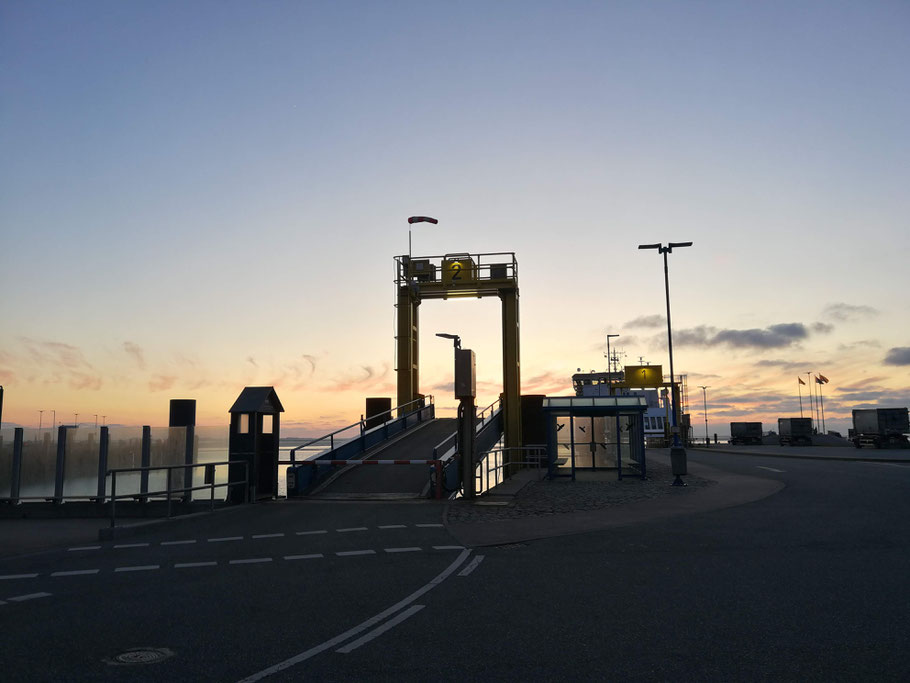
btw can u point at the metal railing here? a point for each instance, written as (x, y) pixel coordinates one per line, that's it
(530, 456)
(485, 267)
(487, 414)
(402, 412)
(188, 490)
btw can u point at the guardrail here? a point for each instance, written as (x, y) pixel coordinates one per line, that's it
(532, 456)
(209, 478)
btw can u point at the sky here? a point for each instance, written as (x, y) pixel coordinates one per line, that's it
(197, 197)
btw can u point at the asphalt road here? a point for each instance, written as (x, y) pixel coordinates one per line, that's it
(807, 584)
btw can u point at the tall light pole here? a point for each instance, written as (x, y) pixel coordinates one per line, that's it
(40, 415)
(677, 452)
(704, 391)
(610, 364)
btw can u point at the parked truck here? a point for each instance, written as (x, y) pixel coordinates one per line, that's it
(745, 433)
(881, 428)
(794, 431)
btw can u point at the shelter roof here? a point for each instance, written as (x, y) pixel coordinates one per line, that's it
(262, 400)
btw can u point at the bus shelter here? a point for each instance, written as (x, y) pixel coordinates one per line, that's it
(592, 433)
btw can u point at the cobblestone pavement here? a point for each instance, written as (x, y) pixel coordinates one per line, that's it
(590, 491)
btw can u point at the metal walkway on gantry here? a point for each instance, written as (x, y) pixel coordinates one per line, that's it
(415, 444)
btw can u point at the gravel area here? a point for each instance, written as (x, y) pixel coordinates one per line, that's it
(590, 491)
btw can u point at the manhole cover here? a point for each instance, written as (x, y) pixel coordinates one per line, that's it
(141, 655)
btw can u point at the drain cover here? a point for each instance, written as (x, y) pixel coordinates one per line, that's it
(142, 655)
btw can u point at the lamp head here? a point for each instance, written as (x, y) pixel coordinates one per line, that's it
(422, 219)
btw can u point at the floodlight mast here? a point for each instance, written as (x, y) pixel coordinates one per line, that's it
(673, 402)
(454, 337)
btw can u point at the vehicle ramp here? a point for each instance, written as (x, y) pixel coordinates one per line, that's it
(399, 479)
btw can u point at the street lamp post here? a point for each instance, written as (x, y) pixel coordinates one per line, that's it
(610, 364)
(677, 452)
(704, 391)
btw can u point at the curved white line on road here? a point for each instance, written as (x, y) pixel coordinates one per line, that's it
(379, 630)
(472, 566)
(360, 628)
(30, 596)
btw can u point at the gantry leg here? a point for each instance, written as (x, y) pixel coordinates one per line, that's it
(406, 342)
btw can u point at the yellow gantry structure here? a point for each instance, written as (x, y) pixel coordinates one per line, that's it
(460, 275)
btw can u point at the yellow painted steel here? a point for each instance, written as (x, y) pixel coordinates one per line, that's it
(460, 271)
(407, 343)
(643, 375)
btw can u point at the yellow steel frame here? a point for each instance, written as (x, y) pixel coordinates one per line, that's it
(460, 275)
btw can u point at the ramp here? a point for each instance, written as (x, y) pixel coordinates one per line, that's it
(400, 480)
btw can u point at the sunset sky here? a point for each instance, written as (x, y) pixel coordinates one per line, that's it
(199, 196)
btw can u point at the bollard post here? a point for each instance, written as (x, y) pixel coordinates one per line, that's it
(145, 463)
(17, 466)
(61, 464)
(103, 449)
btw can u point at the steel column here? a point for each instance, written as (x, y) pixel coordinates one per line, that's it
(511, 372)
(103, 449)
(61, 464)
(407, 343)
(16, 474)
(145, 462)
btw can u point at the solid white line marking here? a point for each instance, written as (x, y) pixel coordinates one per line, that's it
(472, 566)
(448, 547)
(310, 533)
(251, 560)
(131, 545)
(428, 526)
(77, 572)
(2, 602)
(393, 526)
(138, 568)
(84, 547)
(413, 549)
(360, 628)
(351, 553)
(382, 628)
(886, 464)
(192, 540)
(312, 556)
(182, 565)
(353, 528)
(225, 538)
(770, 469)
(30, 596)
(18, 576)
(279, 535)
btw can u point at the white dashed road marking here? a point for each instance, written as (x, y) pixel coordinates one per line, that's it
(77, 572)
(187, 542)
(18, 576)
(225, 538)
(185, 565)
(312, 556)
(268, 535)
(353, 528)
(311, 533)
(132, 545)
(472, 566)
(251, 560)
(351, 553)
(770, 469)
(30, 596)
(84, 547)
(428, 526)
(392, 526)
(138, 568)
(403, 550)
(448, 547)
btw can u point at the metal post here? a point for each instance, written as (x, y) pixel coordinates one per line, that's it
(145, 463)
(188, 460)
(704, 391)
(618, 450)
(466, 415)
(61, 464)
(168, 487)
(16, 474)
(113, 497)
(103, 449)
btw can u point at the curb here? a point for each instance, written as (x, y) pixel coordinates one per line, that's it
(800, 456)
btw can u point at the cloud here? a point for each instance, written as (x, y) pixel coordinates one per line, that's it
(311, 360)
(788, 366)
(822, 328)
(162, 382)
(365, 377)
(136, 352)
(56, 354)
(252, 361)
(846, 312)
(647, 321)
(899, 355)
(860, 344)
(777, 336)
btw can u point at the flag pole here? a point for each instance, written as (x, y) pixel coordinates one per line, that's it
(818, 383)
(811, 405)
(799, 383)
(822, 395)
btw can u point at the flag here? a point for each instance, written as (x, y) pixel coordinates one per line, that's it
(823, 379)
(800, 380)
(818, 381)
